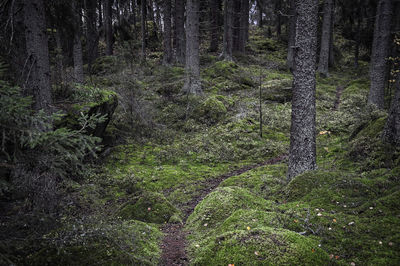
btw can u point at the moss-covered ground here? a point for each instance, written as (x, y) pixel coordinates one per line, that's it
(168, 146)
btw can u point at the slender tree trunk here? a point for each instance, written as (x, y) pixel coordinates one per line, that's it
(380, 51)
(278, 22)
(358, 37)
(244, 25)
(236, 25)
(192, 67)
(180, 31)
(215, 13)
(323, 64)
(144, 32)
(108, 26)
(59, 59)
(302, 152)
(100, 14)
(260, 12)
(228, 31)
(92, 36)
(331, 39)
(134, 17)
(292, 34)
(37, 49)
(167, 33)
(78, 58)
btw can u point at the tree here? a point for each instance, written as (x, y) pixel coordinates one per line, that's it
(167, 33)
(323, 63)
(292, 33)
(77, 49)
(143, 28)
(92, 36)
(108, 26)
(180, 31)
(391, 131)
(215, 21)
(380, 51)
(302, 152)
(37, 49)
(192, 67)
(228, 30)
(244, 25)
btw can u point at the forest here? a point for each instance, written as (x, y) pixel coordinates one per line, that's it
(213, 132)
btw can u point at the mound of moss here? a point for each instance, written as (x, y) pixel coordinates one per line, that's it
(260, 246)
(149, 207)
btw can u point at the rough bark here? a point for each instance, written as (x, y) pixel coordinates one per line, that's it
(380, 51)
(244, 25)
(59, 59)
(236, 25)
(108, 26)
(391, 131)
(77, 47)
(260, 12)
(323, 64)
(192, 68)
(215, 13)
(292, 34)
(331, 39)
(302, 152)
(180, 31)
(38, 81)
(143, 27)
(92, 36)
(167, 33)
(358, 36)
(228, 30)
(278, 22)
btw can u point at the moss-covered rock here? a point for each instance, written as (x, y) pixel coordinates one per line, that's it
(259, 246)
(149, 207)
(212, 109)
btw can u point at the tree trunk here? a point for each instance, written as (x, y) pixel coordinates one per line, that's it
(108, 26)
(192, 67)
(380, 51)
(180, 31)
(236, 25)
(358, 36)
(100, 14)
(244, 25)
(391, 131)
(167, 33)
(331, 39)
(228, 31)
(59, 59)
(302, 152)
(278, 22)
(77, 47)
(37, 49)
(323, 64)
(92, 37)
(215, 13)
(144, 33)
(260, 13)
(292, 34)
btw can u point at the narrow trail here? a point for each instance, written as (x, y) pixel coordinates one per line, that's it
(174, 244)
(339, 91)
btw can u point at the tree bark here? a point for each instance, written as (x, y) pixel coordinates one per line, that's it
(292, 34)
(77, 47)
(100, 14)
(92, 36)
(331, 39)
(358, 36)
(236, 25)
(278, 22)
(244, 25)
(391, 131)
(302, 152)
(228, 30)
(108, 26)
(167, 33)
(260, 13)
(38, 81)
(323, 64)
(380, 51)
(180, 31)
(144, 32)
(215, 14)
(192, 68)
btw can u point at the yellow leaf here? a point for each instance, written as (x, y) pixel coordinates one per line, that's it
(248, 228)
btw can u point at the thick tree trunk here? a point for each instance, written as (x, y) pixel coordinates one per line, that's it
(108, 26)
(236, 25)
(380, 51)
(144, 32)
(292, 34)
(167, 33)
(244, 25)
(391, 131)
(302, 153)
(38, 81)
(323, 64)
(192, 67)
(92, 36)
(228, 30)
(215, 13)
(180, 31)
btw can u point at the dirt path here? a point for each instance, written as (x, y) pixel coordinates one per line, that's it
(174, 244)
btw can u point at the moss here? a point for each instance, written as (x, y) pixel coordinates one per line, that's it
(131, 242)
(211, 110)
(260, 246)
(219, 205)
(105, 65)
(149, 207)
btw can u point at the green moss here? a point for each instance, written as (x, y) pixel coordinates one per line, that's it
(211, 110)
(260, 246)
(105, 65)
(149, 207)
